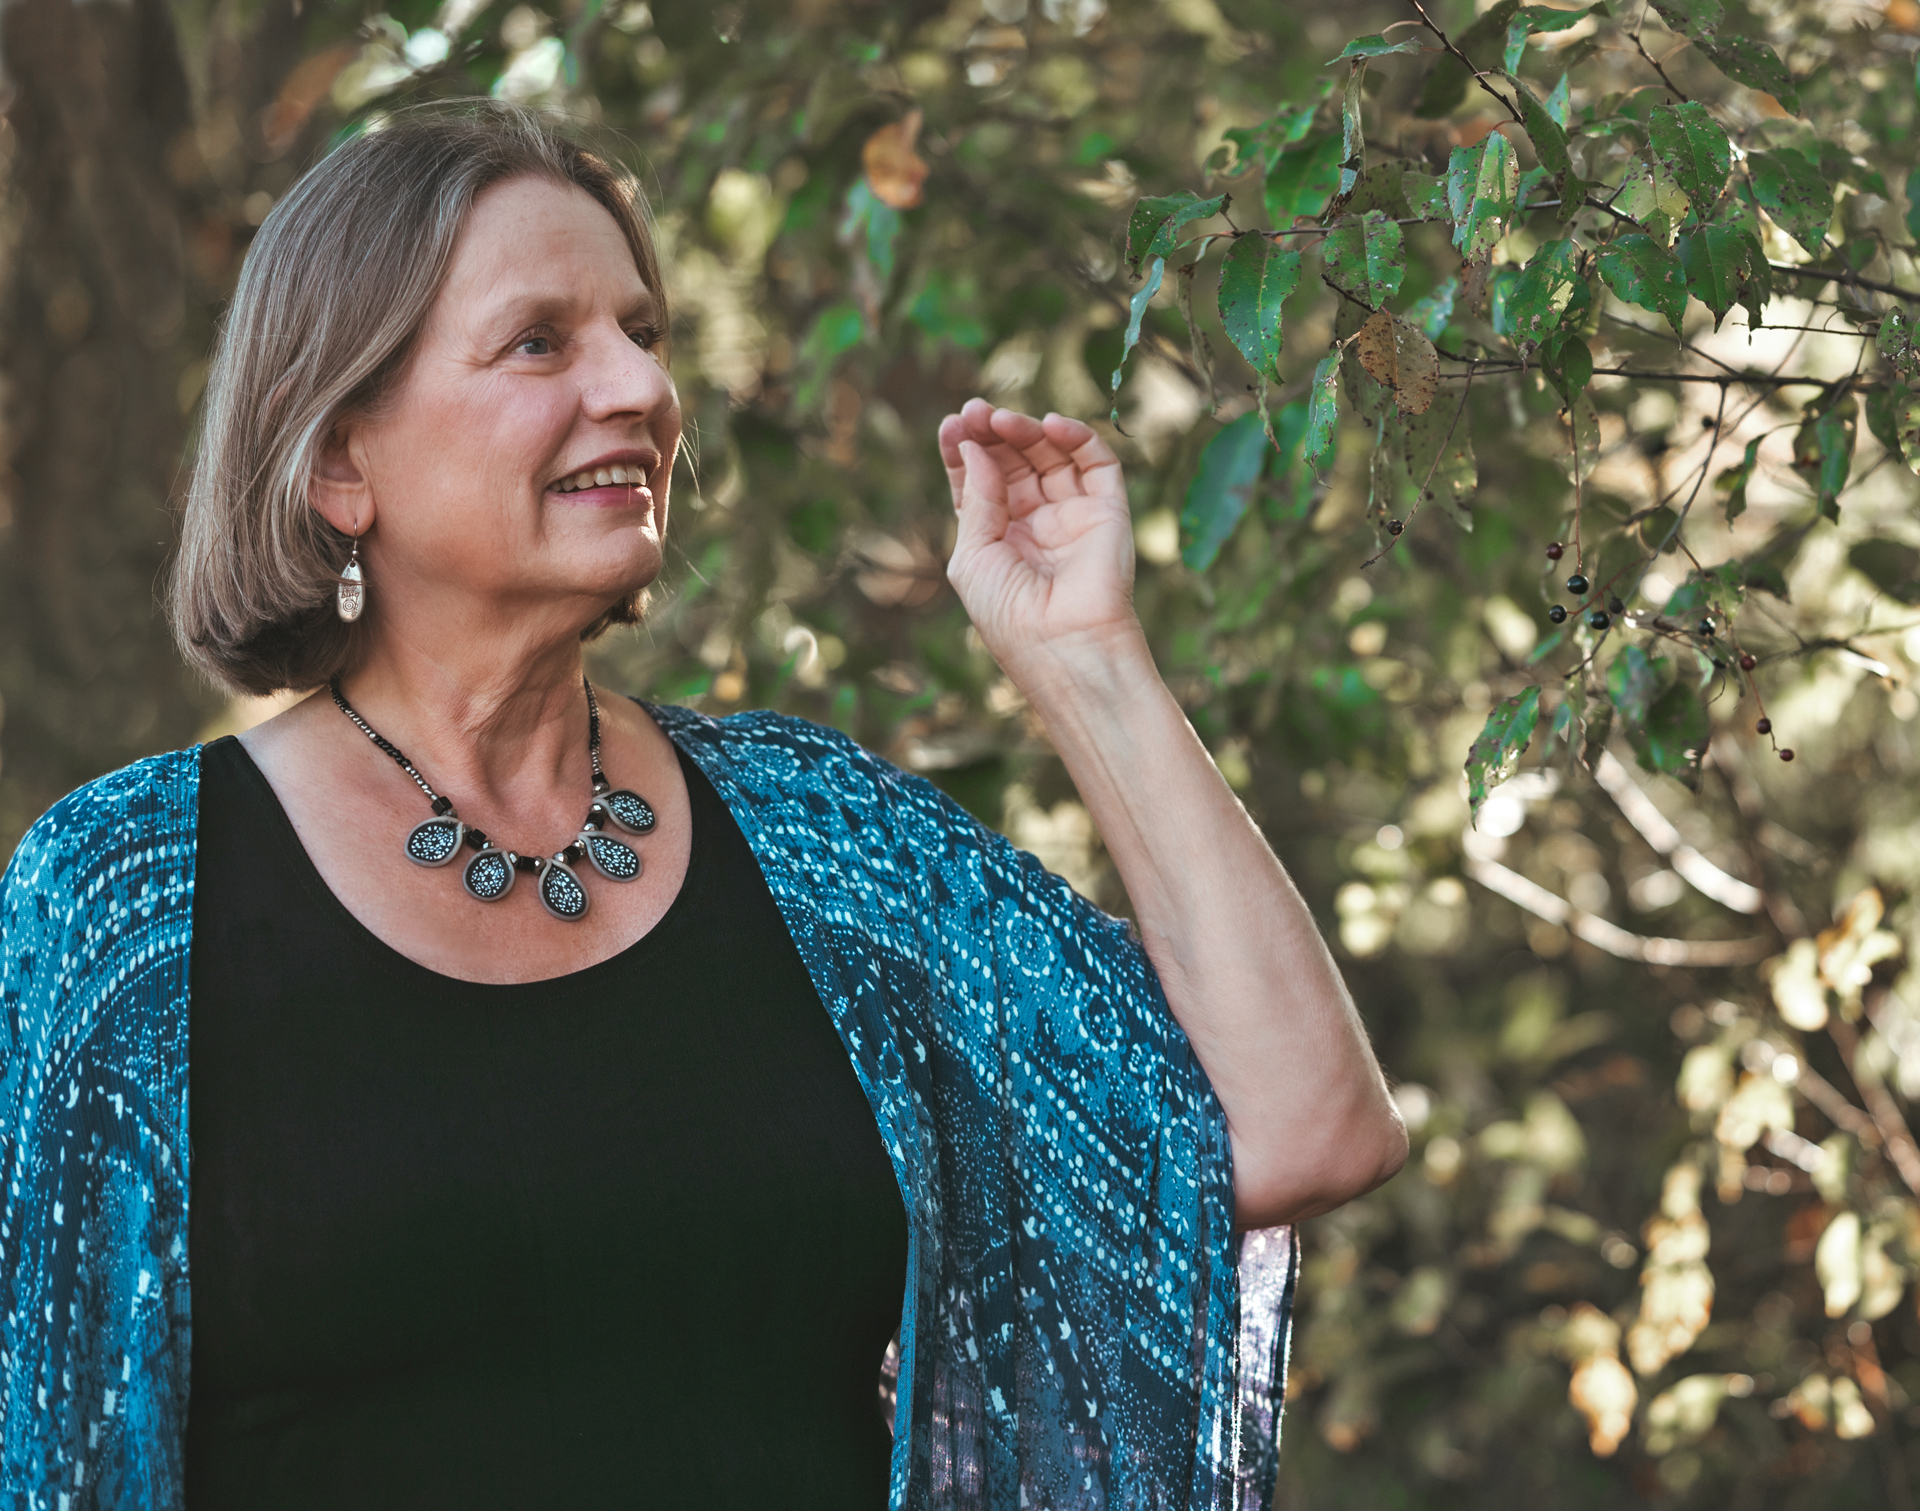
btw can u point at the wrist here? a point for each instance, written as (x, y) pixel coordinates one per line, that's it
(1107, 667)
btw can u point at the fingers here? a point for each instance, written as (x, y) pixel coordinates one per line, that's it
(1052, 457)
(982, 501)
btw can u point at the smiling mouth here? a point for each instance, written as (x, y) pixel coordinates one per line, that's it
(625, 476)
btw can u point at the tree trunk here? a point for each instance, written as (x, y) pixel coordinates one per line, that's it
(93, 306)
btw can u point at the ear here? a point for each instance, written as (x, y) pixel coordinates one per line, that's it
(340, 490)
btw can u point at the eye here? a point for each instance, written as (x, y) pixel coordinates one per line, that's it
(646, 337)
(534, 346)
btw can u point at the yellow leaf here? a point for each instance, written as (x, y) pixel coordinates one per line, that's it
(895, 172)
(1398, 355)
(1836, 1263)
(1798, 991)
(1604, 1393)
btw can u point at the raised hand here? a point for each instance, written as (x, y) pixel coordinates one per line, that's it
(1044, 556)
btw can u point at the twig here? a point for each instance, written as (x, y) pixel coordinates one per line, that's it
(1838, 275)
(1616, 941)
(1653, 63)
(1467, 63)
(1880, 1105)
(1699, 872)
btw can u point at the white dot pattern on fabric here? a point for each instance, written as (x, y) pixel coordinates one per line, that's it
(1082, 1328)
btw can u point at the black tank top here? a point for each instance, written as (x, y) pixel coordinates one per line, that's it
(628, 1238)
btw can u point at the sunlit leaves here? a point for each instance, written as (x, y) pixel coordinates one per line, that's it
(1654, 198)
(1823, 448)
(1398, 355)
(1795, 193)
(1482, 181)
(1364, 258)
(1641, 271)
(1353, 139)
(1664, 720)
(1136, 311)
(1255, 280)
(1491, 758)
(1542, 292)
(1156, 223)
(1691, 145)
(1217, 497)
(1692, 18)
(1754, 64)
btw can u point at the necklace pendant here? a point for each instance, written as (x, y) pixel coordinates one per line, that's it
(435, 842)
(561, 892)
(489, 875)
(629, 810)
(611, 858)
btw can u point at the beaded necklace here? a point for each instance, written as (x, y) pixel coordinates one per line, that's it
(490, 874)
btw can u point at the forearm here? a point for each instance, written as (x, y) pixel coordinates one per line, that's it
(1243, 965)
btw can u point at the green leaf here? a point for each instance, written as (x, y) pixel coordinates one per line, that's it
(1674, 734)
(879, 220)
(1259, 147)
(1641, 271)
(1447, 85)
(1694, 149)
(1432, 312)
(1303, 178)
(1906, 425)
(1548, 136)
(1377, 47)
(1823, 449)
(1733, 482)
(1323, 412)
(1380, 188)
(1353, 137)
(1636, 682)
(1560, 102)
(1883, 406)
(1690, 18)
(1541, 294)
(1482, 181)
(1255, 280)
(1654, 198)
(1364, 257)
(1492, 757)
(1714, 258)
(1754, 64)
(1567, 361)
(1539, 18)
(1795, 193)
(1890, 566)
(1895, 342)
(1156, 223)
(1218, 495)
(1426, 195)
(1718, 590)
(1136, 311)
(1913, 198)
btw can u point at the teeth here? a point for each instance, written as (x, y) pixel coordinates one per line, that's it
(602, 477)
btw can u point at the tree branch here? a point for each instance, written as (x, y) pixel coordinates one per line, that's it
(1467, 63)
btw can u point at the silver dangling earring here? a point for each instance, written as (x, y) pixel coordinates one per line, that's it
(351, 596)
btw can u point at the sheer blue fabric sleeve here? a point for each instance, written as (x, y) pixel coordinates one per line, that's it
(95, 933)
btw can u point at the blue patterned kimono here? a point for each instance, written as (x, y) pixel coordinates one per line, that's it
(1081, 1327)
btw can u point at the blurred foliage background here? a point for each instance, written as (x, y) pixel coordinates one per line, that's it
(1651, 1019)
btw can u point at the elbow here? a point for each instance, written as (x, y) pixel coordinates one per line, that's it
(1357, 1155)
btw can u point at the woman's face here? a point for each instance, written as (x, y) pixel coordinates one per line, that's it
(526, 455)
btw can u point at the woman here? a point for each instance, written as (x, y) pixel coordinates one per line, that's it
(525, 1167)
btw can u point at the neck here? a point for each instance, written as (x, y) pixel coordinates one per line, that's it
(498, 727)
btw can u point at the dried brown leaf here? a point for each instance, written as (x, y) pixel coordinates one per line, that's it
(1398, 355)
(895, 172)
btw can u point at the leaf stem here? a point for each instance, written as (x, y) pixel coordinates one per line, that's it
(1467, 63)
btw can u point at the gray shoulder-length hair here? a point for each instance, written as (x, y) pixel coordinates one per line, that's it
(333, 293)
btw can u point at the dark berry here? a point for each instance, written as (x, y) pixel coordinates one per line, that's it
(1706, 628)
(1577, 584)
(1555, 551)
(1707, 422)
(1394, 526)
(1786, 755)
(1599, 619)
(1558, 613)
(1746, 663)
(1615, 606)
(1764, 727)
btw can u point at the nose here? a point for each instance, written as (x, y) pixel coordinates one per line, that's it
(623, 380)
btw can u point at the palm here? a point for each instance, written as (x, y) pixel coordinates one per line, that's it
(1045, 547)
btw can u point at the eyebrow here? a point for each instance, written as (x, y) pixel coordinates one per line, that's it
(532, 308)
